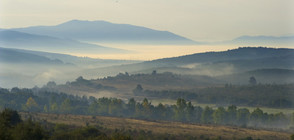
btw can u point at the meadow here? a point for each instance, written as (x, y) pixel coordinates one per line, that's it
(176, 129)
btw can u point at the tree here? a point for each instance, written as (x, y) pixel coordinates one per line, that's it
(51, 84)
(252, 80)
(54, 107)
(138, 89)
(180, 109)
(147, 108)
(8, 119)
(190, 114)
(257, 116)
(160, 111)
(219, 115)
(243, 115)
(31, 105)
(154, 72)
(80, 79)
(29, 130)
(66, 106)
(206, 116)
(131, 106)
(232, 114)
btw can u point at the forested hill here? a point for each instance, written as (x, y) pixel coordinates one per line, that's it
(243, 53)
(214, 63)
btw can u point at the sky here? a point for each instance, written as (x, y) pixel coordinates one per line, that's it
(199, 20)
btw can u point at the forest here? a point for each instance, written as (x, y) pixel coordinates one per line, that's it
(266, 95)
(46, 101)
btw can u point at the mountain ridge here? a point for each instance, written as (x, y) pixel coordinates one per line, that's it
(101, 31)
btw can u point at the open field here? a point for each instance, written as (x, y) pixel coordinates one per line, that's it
(160, 127)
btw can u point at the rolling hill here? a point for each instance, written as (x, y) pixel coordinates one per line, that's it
(26, 68)
(214, 63)
(20, 40)
(14, 56)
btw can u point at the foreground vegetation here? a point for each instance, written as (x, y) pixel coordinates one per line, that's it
(42, 100)
(35, 126)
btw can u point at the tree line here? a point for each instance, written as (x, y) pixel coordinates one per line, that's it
(42, 100)
(266, 95)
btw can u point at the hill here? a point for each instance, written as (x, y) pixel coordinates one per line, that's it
(14, 56)
(102, 31)
(269, 76)
(214, 63)
(26, 68)
(263, 40)
(20, 40)
(84, 62)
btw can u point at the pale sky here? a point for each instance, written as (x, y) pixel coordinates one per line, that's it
(199, 20)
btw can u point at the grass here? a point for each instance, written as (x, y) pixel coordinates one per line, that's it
(161, 127)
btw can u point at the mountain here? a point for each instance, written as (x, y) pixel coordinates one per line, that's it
(20, 40)
(102, 31)
(277, 41)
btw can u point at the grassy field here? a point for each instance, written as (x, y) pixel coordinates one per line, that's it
(160, 127)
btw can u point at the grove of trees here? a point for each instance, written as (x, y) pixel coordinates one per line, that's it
(41, 100)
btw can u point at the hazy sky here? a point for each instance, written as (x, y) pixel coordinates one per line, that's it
(200, 20)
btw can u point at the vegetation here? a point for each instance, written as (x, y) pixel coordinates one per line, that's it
(41, 100)
(264, 95)
(48, 126)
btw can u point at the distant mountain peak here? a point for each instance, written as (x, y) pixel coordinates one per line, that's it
(83, 22)
(103, 31)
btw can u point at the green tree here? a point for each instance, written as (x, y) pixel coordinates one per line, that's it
(190, 114)
(180, 110)
(66, 106)
(29, 130)
(131, 106)
(219, 115)
(8, 120)
(54, 107)
(31, 105)
(243, 115)
(206, 116)
(147, 108)
(232, 114)
(257, 116)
